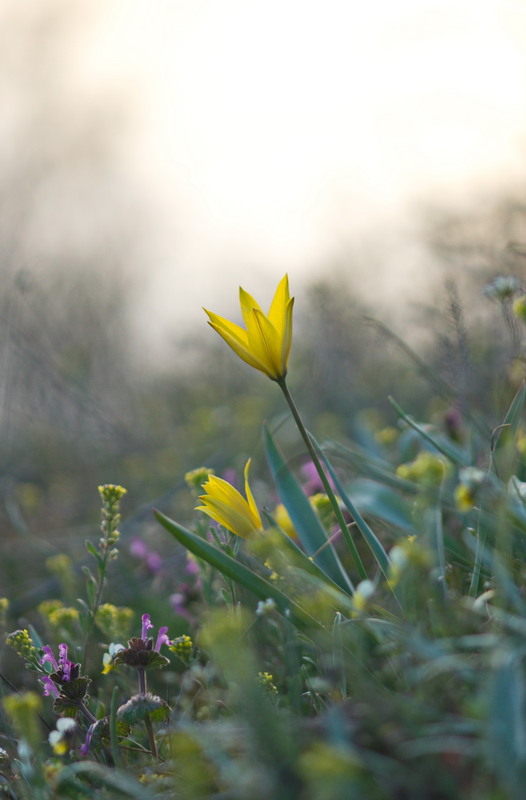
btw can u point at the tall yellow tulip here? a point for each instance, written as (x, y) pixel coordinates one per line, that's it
(227, 506)
(266, 341)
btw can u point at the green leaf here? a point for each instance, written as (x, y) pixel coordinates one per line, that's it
(375, 500)
(231, 568)
(513, 416)
(506, 729)
(374, 468)
(307, 525)
(115, 779)
(90, 547)
(439, 442)
(368, 534)
(140, 706)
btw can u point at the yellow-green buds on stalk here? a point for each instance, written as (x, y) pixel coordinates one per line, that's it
(182, 646)
(111, 495)
(197, 477)
(227, 506)
(114, 621)
(22, 710)
(265, 343)
(428, 469)
(519, 307)
(266, 680)
(23, 645)
(4, 606)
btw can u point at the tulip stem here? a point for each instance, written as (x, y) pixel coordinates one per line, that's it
(323, 477)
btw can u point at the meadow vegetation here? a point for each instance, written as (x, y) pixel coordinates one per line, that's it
(312, 584)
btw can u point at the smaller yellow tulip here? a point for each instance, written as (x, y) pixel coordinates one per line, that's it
(227, 506)
(265, 343)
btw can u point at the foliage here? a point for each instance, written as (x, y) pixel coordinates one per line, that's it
(354, 628)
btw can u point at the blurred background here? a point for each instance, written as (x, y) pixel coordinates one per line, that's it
(156, 155)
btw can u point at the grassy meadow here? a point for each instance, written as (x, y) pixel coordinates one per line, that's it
(293, 566)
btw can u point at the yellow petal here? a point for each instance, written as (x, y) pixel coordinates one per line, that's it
(227, 506)
(286, 339)
(247, 303)
(231, 333)
(264, 343)
(276, 313)
(233, 519)
(250, 497)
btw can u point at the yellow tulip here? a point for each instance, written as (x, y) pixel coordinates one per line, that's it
(227, 506)
(265, 343)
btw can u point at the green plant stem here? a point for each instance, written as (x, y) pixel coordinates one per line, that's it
(323, 477)
(147, 721)
(93, 610)
(87, 713)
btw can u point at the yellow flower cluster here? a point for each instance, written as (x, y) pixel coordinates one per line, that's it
(22, 644)
(111, 493)
(197, 477)
(519, 307)
(407, 553)
(58, 615)
(182, 646)
(115, 621)
(22, 710)
(427, 469)
(266, 680)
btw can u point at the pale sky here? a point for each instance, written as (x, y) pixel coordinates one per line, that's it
(272, 135)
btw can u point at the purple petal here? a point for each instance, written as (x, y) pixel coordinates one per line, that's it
(146, 625)
(84, 749)
(48, 656)
(49, 687)
(162, 638)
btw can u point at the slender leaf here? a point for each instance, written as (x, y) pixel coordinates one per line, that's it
(368, 534)
(307, 525)
(378, 501)
(455, 454)
(115, 779)
(231, 568)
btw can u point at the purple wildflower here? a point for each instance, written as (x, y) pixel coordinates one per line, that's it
(64, 670)
(178, 602)
(313, 483)
(49, 687)
(141, 652)
(146, 625)
(151, 560)
(84, 749)
(48, 656)
(162, 638)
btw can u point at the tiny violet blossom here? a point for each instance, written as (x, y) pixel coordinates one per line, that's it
(84, 749)
(64, 670)
(141, 653)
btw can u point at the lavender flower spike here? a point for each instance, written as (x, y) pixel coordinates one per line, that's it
(146, 625)
(48, 656)
(49, 687)
(162, 638)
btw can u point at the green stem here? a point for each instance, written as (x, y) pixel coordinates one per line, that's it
(93, 610)
(147, 721)
(323, 477)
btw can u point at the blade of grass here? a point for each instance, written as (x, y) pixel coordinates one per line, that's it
(453, 453)
(231, 568)
(307, 525)
(381, 557)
